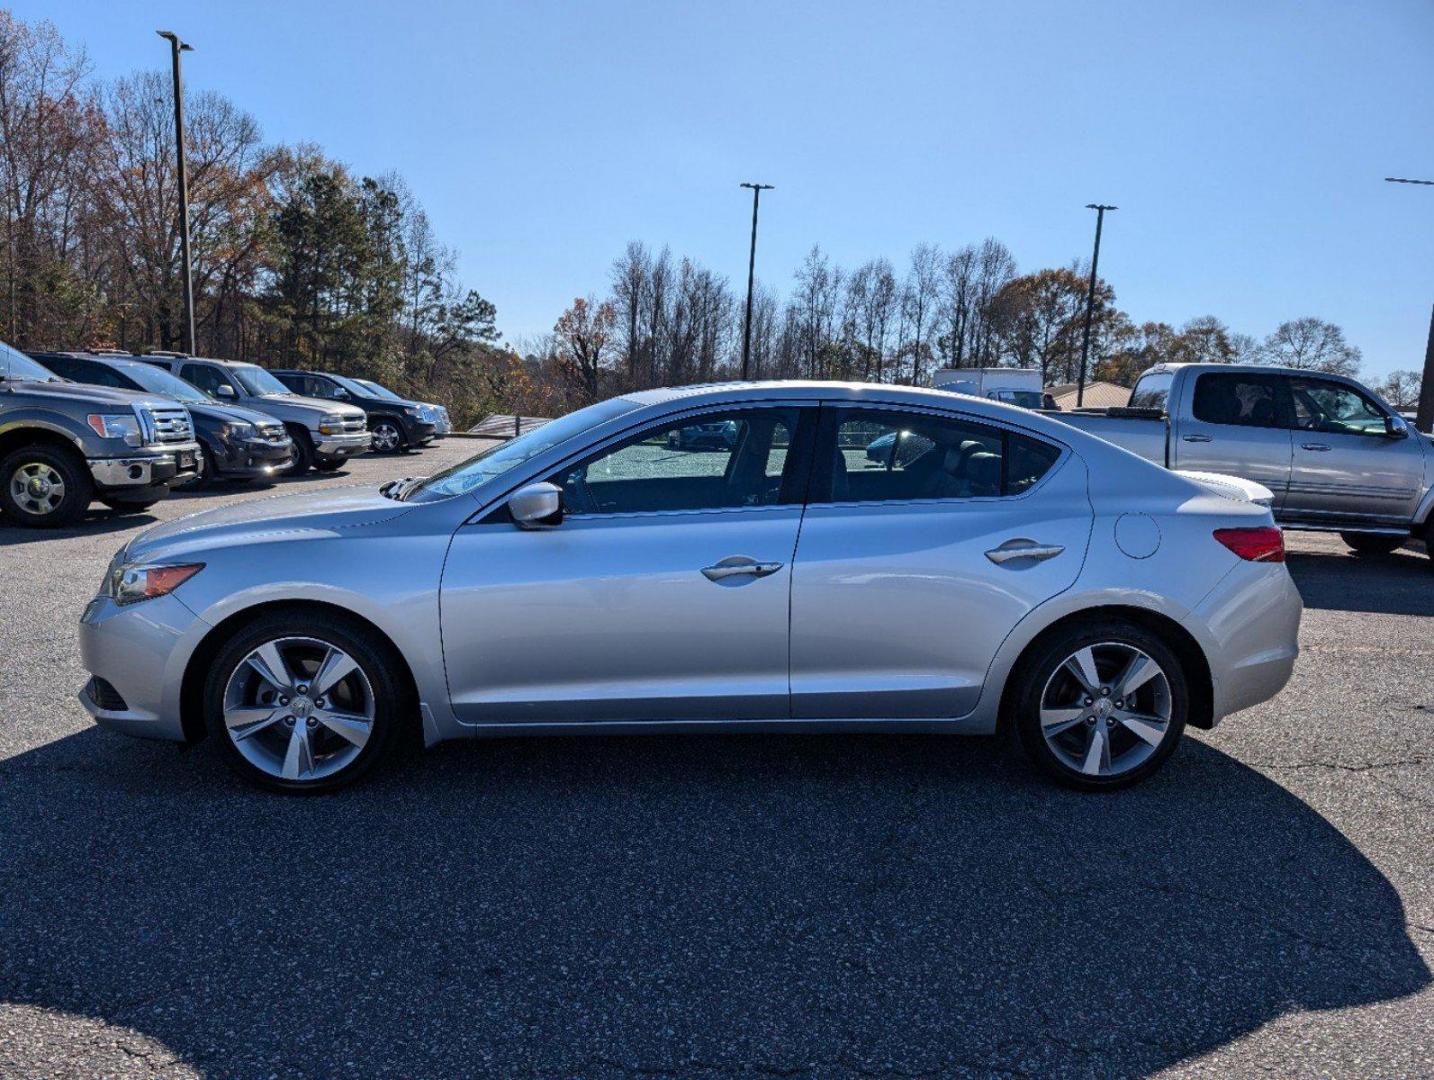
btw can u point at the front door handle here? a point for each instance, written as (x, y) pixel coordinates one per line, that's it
(1319, 446)
(739, 566)
(1196, 438)
(1023, 549)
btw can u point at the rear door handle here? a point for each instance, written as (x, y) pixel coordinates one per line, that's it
(1315, 446)
(1196, 438)
(739, 566)
(1023, 549)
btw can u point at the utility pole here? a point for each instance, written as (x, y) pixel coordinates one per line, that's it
(1100, 210)
(757, 190)
(175, 48)
(1424, 418)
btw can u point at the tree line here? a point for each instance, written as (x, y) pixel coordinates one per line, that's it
(666, 320)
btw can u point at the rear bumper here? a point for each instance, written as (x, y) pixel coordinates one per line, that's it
(158, 468)
(1254, 619)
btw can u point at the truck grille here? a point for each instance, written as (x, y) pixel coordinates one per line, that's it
(167, 424)
(353, 424)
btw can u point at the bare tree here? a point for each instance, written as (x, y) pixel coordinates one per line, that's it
(918, 301)
(1311, 344)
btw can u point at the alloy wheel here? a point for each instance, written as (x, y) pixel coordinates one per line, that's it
(386, 438)
(37, 488)
(1106, 709)
(299, 708)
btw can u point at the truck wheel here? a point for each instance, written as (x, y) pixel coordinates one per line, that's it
(385, 437)
(303, 452)
(44, 487)
(1372, 543)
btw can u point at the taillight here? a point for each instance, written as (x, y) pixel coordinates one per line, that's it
(1262, 544)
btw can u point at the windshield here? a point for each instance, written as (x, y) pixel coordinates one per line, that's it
(258, 381)
(16, 365)
(353, 386)
(158, 381)
(381, 391)
(497, 460)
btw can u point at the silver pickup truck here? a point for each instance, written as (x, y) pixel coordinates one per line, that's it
(1336, 456)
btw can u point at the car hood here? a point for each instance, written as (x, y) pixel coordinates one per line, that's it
(229, 413)
(281, 517)
(297, 401)
(86, 394)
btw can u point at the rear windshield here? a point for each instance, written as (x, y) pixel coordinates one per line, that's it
(1152, 391)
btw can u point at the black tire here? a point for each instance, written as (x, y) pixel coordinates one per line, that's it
(119, 506)
(377, 662)
(1372, 543)
(1040, 666)
(303, 452)
(389, 432)
(46, 462)
(208, 468)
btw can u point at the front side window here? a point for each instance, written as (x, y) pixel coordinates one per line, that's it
(716, 461)
(1334, 408)
(207, 377)
(1238, 399)
(259, 381)
(879, 455)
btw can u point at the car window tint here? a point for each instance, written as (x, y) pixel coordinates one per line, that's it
(1335, 408)
(1243, 400)
(719, 460)
(1151, 391)
(882, 456)
(205, 377)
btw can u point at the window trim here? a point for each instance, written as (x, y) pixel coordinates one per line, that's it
(827, 431)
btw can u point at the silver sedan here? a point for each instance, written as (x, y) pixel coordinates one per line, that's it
(1009, 572)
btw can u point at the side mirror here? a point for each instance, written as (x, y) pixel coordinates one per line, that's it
(342, 394)
(224, 390)
(1395, 427)
(537, 506)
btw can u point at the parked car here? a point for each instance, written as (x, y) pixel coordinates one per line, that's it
(438, 414)
(719, 436)
(235, 443)
(1050, 582)
(1335, 455)
(63, 445)
(393, 424)
(325, 433)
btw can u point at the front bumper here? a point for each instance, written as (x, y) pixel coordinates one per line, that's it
(419, 432)
(341, 446)
(154, 468)
(254, 458)
(140, 651)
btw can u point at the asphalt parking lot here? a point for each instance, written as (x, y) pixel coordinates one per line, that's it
(725, 906)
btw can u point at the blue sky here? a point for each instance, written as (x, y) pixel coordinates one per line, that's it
(1244, 142)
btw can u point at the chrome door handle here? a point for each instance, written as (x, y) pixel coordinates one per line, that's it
(1315, 446)
(1196, 438)
(1023, 549)
(739, 566)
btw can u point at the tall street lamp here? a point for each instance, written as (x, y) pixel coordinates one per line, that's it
(1100, 210)
(757, 190)
(175, 48)
(1424, 418)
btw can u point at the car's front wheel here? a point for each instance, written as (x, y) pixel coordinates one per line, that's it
(44, 487)
(385, 437)
(1100, 705)
(303, 702)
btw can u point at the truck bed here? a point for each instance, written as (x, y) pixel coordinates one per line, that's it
(1141, 431)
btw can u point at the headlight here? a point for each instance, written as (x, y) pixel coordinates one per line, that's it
(237, 429)
(144, 581)
(331, 424)
(115, 426)
(412, 410)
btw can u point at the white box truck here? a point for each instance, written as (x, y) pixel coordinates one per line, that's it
(1014, 386)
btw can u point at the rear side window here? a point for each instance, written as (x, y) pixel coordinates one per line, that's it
(880, 455)
(1242, 400)
(1152, 391)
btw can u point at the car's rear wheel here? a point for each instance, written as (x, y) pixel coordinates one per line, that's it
(1372, 543)
(1100, 705)
(385, 437)
(44, 487)
(303, 703)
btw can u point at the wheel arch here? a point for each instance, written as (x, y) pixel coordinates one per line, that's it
(21, 435)
(1184, 644)
(191, 692)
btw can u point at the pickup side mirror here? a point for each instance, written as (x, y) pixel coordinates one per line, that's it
(537, 506)
(1395, 427)
(224, 390)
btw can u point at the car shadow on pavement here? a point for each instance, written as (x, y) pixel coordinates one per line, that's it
(96, 522)
(1398, 584)
(679, 906)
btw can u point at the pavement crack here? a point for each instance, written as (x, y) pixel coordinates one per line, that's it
(1369, 766)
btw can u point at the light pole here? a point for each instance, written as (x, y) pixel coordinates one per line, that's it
(175, 48)
(1100, 210)
(757, 190)
(1424, 417)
